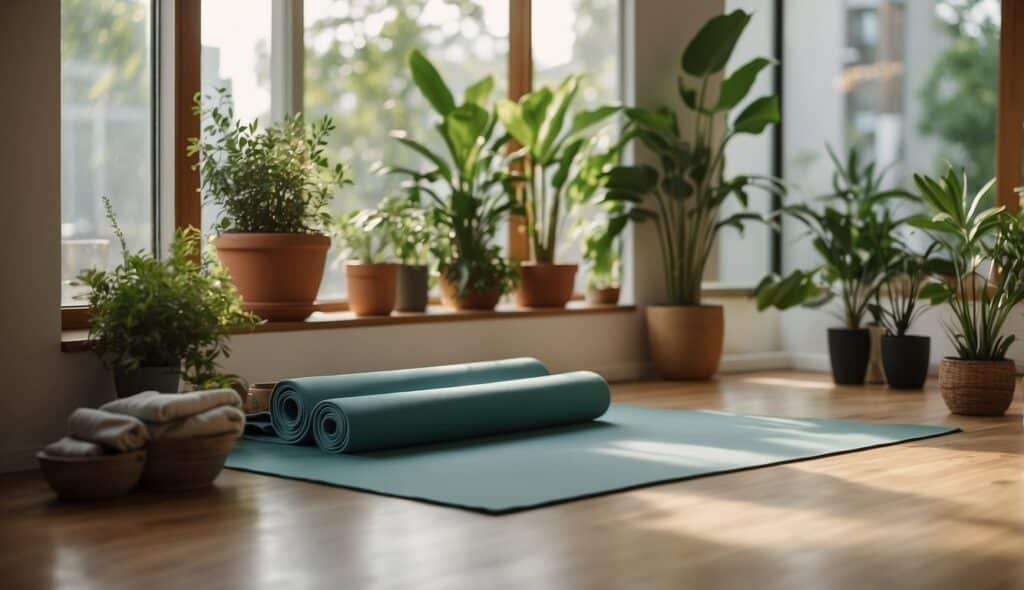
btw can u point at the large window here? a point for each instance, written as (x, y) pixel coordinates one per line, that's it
(912, 84)
(106, 133)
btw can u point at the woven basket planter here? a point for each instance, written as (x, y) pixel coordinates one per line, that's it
(977, 388)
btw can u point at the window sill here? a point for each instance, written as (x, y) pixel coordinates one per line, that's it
(77, 340)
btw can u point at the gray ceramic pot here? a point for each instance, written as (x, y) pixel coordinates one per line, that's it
(162, 379)
(413, 283)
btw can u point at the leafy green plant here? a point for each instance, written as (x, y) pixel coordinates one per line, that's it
(855, 240)
(899, 302)
(985, 246)
(363, 236)
(148, 312)
(688, 187)
(557, 159)
(407, 229)
(601, 240)
(273, 180)
(464, 189)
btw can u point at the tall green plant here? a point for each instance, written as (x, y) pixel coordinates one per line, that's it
(148, 312)
(854, 235)
(464, 189)
(899, 302)
(688, 187)
(556, 160)
(273, 180)
(986, 248)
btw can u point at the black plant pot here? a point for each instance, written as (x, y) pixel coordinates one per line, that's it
(413, 285)
(905, 359)
(849, 350)
(161, 379)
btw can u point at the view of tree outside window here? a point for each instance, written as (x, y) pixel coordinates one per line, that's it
(912, 84)
(578, 37)
(106, 133)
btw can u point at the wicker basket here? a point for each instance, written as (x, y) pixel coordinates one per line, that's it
(92, 478)
(977, 388)
(176, 464)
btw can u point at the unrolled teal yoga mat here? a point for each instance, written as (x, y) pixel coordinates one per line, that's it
(629, 446)
(393, 420)
(293, 400)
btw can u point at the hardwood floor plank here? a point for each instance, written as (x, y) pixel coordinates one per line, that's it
(946, 512)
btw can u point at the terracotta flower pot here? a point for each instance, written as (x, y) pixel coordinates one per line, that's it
(685, 340)
(413, 287)
(603, 296)
(545, 285)
(278, 275)
(372, 288)
(977, 388)
(470, 300)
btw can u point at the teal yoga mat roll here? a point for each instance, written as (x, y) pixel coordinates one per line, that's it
(292, 401)
(379, 422)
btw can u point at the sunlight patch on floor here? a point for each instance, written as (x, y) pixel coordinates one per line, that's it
(788, 382)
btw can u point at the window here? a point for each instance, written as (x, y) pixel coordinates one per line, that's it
(911, 83)
(107, 117)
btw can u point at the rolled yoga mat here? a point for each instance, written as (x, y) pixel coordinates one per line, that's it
(292, 401)
(395, 420)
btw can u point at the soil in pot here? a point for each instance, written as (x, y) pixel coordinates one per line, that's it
(849, 351)
(128, 382)
(469, 299)
(603, 296)
(372, 288)
(905, 359)
(685, 340)
(277, 275)
(413, 285)
(545, 285)
(977, 388)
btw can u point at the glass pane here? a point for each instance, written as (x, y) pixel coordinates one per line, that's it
(356, 72)
(578, 37)
(106, 133)
(236, 56)
(743, 258)
(911, 83)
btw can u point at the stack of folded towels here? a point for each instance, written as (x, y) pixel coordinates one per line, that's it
(129, 423)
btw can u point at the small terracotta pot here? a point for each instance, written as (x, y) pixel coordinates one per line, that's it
(277, 275)
(545, 285)
(603, 296)
(977, 388)
(469, 300)
(685, 340)
(372, 288)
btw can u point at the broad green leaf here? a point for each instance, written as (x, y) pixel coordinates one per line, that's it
(661, 119)
(711, 47)
(758, 115)
(464, 128)
(480, 92)
(551, 126)
(738, 84)
(585, 119)
(442, 166)
(511, 116)
(430, 83)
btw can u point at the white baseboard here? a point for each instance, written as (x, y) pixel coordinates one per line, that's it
(755, 361)
(808, 361)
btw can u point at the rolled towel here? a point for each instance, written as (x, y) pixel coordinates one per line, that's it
(117, 432)
(150, 406)
(212, 422)
(72, 447)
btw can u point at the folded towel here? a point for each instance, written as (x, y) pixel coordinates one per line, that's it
(72, 447)
(220, 420)
(117, 432)
(150, 406)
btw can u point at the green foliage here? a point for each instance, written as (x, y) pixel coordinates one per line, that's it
(463, 190)
(601, 239)
(855, 240)
(986, 249)
(362, 236)
(908, 277)
(148, 312)
(557, 158)
(688, 186)
(407, 229)
(273, 180)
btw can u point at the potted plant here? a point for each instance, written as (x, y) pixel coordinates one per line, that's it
(905, 356)
(556, 153)
(371, 277)
(985, 246)
(155, 322)
(410, 235)
(688, 188)
(463, 190)
(854, 239)
(272, 187)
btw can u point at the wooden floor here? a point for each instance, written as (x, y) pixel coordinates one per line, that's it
(946, 512)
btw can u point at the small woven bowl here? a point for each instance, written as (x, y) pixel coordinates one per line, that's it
(92, 478)
(977, 388)
(177, 464)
